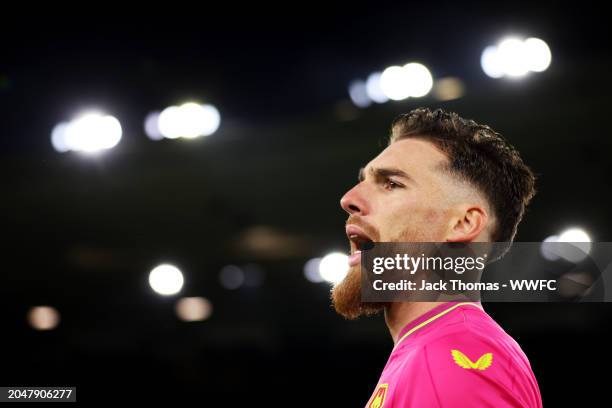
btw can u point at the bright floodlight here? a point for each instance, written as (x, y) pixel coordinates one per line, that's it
(169, 122)
(211, 119)
(194, 117)
(374, 90)
(420, 80)
(395, 82)
(193, 309)
(577, 246)
(538, 54)
(93, 132)
(491, 63)
(57, 137)
(166, 279)
(203, 120)
(43, 318)
(574, 235)
(151, 126)
(90, 132)
(189, 120)
(334, 267)
(359, 94)
(579, 239)
(311, 270)
(512, 55)
(548, 249)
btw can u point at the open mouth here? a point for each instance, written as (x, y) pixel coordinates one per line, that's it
(359, 240)
(361, 243)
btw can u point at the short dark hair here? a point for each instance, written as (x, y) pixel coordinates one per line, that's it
(480, 156)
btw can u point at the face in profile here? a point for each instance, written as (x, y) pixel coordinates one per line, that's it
(403, 195)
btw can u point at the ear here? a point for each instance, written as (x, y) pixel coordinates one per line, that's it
(469, 223)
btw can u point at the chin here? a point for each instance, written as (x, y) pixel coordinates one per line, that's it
(346, 297)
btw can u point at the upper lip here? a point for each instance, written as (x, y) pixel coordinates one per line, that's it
(356, 235)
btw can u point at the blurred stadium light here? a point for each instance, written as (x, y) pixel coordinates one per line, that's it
(514, 57)
(193, 309)
(448, 88)
(576, 236)
(394, 83)
(548, 251)
(43, 317)
(166, 279)
(359, 94)
(151, 126)
(579, 238)
(538, 53)
(189, 120)
(311, 270)
(373, 89)
(89, 132)
(231, 277)
(334, 267)
(420, 80)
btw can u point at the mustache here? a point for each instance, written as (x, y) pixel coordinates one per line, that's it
(367, 228)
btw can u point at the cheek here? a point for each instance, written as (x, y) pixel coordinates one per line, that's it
(434, 216)
(430, 208)
(414, 221)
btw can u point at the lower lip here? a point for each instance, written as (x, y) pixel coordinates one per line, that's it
(354, 258)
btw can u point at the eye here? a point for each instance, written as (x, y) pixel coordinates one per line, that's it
(391, 185)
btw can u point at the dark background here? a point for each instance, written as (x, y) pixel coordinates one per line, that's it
(81, 233)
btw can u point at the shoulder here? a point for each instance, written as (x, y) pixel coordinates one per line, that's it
(474, 341)
(473, 358)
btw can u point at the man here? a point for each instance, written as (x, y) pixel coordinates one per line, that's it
(441, 179)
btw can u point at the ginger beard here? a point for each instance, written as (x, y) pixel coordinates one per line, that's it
(346, 295)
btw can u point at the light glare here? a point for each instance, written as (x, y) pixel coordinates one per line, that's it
(166, 279)
(334, 267)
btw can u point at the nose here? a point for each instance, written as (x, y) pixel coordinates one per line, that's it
(353, 202)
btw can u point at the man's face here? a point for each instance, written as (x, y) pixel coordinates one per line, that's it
(402, 196)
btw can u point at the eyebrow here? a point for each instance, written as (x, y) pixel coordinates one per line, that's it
(385, 172)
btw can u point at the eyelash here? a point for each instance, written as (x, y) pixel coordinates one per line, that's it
(386, 181)
(396, 185)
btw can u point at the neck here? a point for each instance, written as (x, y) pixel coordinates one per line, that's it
(399, 314)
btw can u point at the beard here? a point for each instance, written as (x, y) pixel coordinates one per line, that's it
(346, 295)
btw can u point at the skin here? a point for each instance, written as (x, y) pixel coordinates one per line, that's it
(432, 205)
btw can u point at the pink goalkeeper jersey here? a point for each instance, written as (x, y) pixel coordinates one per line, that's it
(456, 355)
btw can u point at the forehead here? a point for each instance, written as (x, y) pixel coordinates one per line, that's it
(411, 155)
